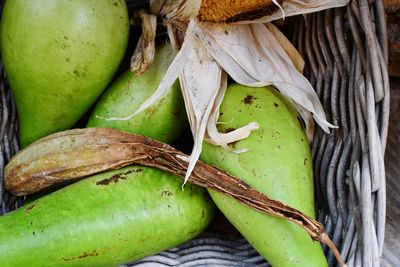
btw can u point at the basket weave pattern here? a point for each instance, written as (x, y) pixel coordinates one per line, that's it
(346, 54)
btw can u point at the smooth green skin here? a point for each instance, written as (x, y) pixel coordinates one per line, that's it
(59, 56)
(278, 164)
(163, 121)
(141, 211)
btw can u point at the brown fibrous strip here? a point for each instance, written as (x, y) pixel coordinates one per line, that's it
(78, 153)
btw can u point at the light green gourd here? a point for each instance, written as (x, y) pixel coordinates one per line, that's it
(278, 164)
(163, 121)
(59, 56)
(105, 220)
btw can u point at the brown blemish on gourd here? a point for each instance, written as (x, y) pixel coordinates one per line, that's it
(84, 255)
(117, 177)
(166, 193)
(276, 105)
(113, 179)
(29, 208)
(248, 100)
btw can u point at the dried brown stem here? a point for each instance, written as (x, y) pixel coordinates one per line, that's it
(79, 153)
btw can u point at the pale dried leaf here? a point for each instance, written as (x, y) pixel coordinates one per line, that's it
(289, 48)
(145, 49)
(252, 56)
(200, 83)
(297, 7)
(182, 10)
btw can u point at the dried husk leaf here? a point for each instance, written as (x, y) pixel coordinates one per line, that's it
(252, 56)
(78, 153)
(199, 94)
(145, 49)
(61, 157)
(182, 10)
(289, 48)
(239, 11)
(297, 7)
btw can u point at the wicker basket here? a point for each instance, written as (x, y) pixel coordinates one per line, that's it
(346, 54)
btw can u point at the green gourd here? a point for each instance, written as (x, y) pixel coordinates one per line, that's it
(59, 56)
(278, 164)
(163, 121)
(105, 220)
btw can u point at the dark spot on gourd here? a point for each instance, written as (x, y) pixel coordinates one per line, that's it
(203, 214)
(305, 161)
(248, 100)
(166, 193)
(67, 59)
(65, 37)
(84, 255)
(33, 233)
(276, 105)
(117, 177)
(115, 4)
(77, 73)
(113, 179)
(29, 208)
(274, 133)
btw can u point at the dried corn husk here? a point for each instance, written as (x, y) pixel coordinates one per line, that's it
(248, 51)
(238, 11)
(145, 50)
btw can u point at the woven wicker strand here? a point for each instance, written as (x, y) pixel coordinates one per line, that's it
(347, 66)
(8, 138)
(346, 54)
